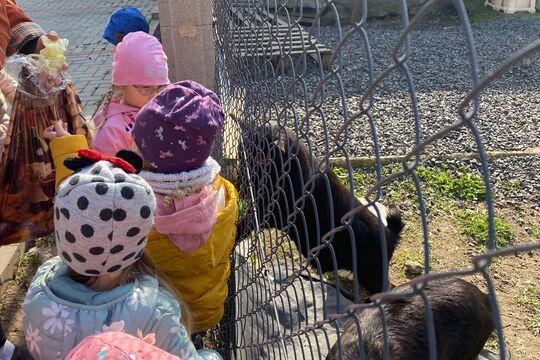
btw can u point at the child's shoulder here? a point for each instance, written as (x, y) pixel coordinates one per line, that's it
(149, 293)
(38, 294)
(49, 266)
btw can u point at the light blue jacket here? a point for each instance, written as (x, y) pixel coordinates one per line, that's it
(59, 313)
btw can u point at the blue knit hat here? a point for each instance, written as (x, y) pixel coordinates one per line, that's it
(125, 21)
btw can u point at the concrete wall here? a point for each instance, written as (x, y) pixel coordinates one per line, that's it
(187, 36)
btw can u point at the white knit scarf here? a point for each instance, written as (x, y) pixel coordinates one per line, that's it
(167, 184)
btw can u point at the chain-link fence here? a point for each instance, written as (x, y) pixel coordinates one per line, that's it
(329, 115)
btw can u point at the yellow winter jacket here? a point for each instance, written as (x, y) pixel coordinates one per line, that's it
(201, 276)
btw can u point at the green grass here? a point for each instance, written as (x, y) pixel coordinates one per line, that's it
(533, 230)
(344, 282)
(44, 242)
(396, 192)
(404, 255)
(478, 12)
(27, 266)
(453, 181)
(531, 301)
(360, 178)
(475, 226)
(439, 184)
(284, 250)
(243, 207)
(493, 341)
(512, 186)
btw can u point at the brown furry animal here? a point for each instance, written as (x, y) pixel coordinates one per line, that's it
(461, 315)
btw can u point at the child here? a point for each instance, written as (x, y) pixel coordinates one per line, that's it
(197, 209)
(102, 280)
(124, 21)
(139, 70)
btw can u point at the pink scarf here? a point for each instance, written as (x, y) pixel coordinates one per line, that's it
(188, 221)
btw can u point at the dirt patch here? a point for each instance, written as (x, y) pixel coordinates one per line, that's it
(12, 297)
(452, 249)
(513, 276)
(13, 292)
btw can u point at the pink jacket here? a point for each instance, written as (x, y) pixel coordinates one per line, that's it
(187, 222)
(115, 134)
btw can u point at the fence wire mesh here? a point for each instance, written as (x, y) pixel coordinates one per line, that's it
(325, 123)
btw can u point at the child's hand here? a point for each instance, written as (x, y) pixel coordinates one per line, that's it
(59, 129)
(51, 35)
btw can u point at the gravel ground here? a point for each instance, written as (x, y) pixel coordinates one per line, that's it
(439, 66)
(517, 181)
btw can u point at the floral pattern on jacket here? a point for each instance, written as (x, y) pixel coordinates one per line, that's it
(60, 313)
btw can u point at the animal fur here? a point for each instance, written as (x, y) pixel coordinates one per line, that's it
(461, 315)
(306, 204)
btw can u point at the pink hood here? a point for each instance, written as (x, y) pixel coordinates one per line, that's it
(116, 108)
(188, 222)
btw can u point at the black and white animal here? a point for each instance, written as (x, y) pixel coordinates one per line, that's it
(461, 315)
(306, 204)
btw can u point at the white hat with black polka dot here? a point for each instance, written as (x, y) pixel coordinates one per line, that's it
(102, 218)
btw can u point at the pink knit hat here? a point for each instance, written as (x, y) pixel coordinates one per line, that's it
(139, 60)
(118, 345)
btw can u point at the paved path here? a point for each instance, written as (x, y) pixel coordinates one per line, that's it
(89, 55)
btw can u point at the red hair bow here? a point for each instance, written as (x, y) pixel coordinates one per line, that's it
(96, 156)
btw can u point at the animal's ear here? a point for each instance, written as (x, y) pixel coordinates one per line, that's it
(132, 158)
(75, 163)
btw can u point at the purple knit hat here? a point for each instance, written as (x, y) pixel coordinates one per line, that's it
(175, 131)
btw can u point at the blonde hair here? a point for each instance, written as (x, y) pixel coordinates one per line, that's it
(180, 193)
(177, 194)
(145, 266)
(113, 93)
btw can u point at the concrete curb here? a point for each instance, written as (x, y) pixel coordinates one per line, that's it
(9, 258)
(490, 155)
